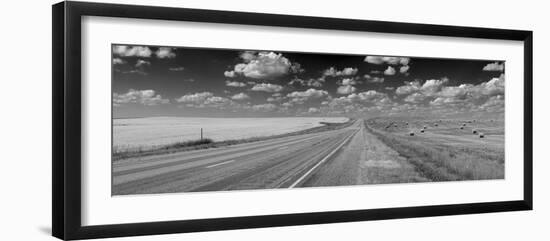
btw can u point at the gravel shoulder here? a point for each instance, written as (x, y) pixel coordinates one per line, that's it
(365, 160)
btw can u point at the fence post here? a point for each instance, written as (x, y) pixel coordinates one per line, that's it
(201, 134)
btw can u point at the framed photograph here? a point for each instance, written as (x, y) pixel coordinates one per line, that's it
(172, 120)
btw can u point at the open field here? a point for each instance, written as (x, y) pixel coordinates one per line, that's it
(447, 149)
(154, 132)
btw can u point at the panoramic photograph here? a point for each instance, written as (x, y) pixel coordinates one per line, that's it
(187, 119)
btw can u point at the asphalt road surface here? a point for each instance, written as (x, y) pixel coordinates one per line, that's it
(286, 162)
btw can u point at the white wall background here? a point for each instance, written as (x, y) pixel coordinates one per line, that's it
(25, 129)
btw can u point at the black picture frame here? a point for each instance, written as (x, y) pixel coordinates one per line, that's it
(66, 127)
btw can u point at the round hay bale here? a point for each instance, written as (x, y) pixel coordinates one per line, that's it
(422, 131)
(462, 127)
(474, 131)
(411, 133)
(436, 124)
(481, 135)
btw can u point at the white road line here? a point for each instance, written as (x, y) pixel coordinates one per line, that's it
(284, 147)
(215, 165)
(321, 162)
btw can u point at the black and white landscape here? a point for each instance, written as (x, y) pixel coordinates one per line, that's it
(194, 119)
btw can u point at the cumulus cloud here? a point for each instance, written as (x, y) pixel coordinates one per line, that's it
(408, 88)
(135, 71)
(417, 92)
(265, 65)
(430, 87)
(333, 72)
(387, 60)
(287, 104)
(313, 110)
(404, 69)
(462, 91)
(370, 96)
(310, 82)
(234, 83)
(240, 96)
(264, 107)
(195, 98)
(495, 86)
(360, 102)
(389, 71)
(216, 101)
(118, 61)
(274, 99)
(450, 100)
(296, 68)
(134, 51)
(373, 79)
(430, 96)
(266, 87)
(142, 52)
(229, 74)
(376, 72)
(348, 81)
(165, 53)
(204, 99)
(465, 97)
(496, 66)
(248, 55)
(144, 97)
(415, 98)
(494, 104)
(141, 63)
(345, 89)
(310, 93)
(177, 69)
(299, 97)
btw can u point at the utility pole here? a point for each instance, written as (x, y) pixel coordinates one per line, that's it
(201, 134)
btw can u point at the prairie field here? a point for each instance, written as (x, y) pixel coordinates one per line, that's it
(153, 132)
(446, 149)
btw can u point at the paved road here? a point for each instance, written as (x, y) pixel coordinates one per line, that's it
(276, 163)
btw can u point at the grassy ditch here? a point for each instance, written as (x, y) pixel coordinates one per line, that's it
(439, 162)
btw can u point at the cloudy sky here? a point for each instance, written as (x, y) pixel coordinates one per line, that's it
(169, 81)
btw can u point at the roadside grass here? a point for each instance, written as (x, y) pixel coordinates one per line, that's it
(440, 162)
(119, 153)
